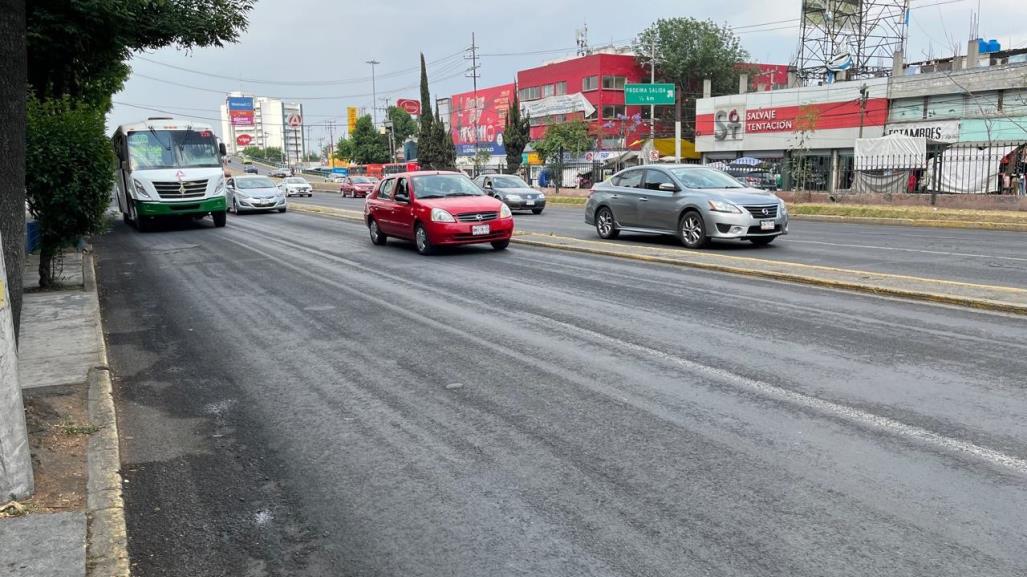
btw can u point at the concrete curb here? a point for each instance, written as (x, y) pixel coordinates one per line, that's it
(949, 299)
(107, 540)
(340, 213)
(962, 224)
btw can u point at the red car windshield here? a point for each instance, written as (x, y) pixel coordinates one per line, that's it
(444, 185)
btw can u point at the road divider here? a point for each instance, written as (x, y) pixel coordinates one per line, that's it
(977, 296)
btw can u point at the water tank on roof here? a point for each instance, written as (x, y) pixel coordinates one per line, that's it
(988, 46)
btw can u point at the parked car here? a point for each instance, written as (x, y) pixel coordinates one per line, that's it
(691, 202)
(280, 172)
(436, 209)
(760, 179)
(250, 170)
(296, 186)
(513, 191)
(254, 193)
(356, 186)
(247, 161)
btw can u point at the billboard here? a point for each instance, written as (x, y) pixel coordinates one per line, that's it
(240, 110)
(480, 118)
(351, 119)
(411, 106)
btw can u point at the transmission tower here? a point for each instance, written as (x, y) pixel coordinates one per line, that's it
(857, 37)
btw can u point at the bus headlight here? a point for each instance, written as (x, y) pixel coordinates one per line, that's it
(140, 189)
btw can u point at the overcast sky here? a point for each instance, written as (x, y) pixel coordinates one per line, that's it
(314, 51)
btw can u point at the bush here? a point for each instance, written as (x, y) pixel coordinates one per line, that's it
(69, 172)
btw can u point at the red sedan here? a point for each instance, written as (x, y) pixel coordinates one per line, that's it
(436, 209)
(356, 186)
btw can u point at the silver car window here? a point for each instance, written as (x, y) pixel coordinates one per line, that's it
(654, 178)
(629, 179)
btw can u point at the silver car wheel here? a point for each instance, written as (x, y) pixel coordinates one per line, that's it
(692, 229)
(605, 223)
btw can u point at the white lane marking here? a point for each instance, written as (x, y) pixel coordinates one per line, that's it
(900, 249)
(851, 414)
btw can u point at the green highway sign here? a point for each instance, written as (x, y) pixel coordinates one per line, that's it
(648, 94)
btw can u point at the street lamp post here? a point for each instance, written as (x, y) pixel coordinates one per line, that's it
(374, 93)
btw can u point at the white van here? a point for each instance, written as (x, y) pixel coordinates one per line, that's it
(169, 167)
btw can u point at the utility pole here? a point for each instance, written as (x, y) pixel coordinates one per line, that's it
(652, 80)
(331, 143)
(864, 96)
(374, 92)
(473, 73)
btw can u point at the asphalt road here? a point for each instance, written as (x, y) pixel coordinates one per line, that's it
(295, 401)
(973, 256)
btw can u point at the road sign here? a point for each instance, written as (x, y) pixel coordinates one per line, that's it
(410, 105)
(294, 120)
(243, 139)
(648, 94)
(351, 118)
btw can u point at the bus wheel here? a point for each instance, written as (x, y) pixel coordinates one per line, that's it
(220, 218)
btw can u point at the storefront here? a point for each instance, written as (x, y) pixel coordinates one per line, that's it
(805, 135)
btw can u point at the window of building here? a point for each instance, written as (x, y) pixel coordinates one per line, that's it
(590, 83)
(561, 88)
(1014, 102)
(547, 90)
(533, 93)
(982, 104)
(613, 82)
(612, 111)
(905, 109)
(945, 106)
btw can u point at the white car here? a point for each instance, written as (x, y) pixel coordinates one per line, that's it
(296, 186)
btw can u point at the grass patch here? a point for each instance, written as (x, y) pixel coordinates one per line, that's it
(71, 429)
(573, 200)
(910, 212)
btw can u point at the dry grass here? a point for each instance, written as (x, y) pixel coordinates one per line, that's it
(910, 212)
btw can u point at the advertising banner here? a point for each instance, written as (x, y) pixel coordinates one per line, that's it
(240, 110)
(476, 122)
(351, 119)
(563, 104)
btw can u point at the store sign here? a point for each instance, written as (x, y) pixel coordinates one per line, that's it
(243, 139)
(727, 124)
(944, 131)
(351, 119)
(477, 119)
(732, 123)
(411, 106)
(240, 110)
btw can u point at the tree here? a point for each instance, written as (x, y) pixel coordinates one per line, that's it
(343, 149)
(569, 137)
(12, 148)
(79, 48)
(516, 135)
(369, 145)
(68, 174)
(481, 157)
(403, 125)
(426, 154)
(687, 52)
(442, 144)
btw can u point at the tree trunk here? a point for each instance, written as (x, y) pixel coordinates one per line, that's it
(13, 79)
(47, 252)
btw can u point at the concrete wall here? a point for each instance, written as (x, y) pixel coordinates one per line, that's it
(958, 81)
(969, 201)
(15, 459)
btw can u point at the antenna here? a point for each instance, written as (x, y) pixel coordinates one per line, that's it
(581, 39)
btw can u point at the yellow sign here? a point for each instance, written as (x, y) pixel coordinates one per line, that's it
(351, 118)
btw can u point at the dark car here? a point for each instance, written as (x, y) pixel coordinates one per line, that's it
(250, 170)
(513, 191)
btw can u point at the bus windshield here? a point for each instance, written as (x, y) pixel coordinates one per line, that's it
(172, 149)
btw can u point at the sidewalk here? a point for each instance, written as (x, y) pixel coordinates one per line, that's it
(61, 357)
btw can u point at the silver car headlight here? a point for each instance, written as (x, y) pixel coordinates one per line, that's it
(721, 206)
(783, 209)
(541, 196)
(140, 190)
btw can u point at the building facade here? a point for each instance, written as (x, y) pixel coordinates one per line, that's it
(265, 123)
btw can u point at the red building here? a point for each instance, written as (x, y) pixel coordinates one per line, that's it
(599, 79)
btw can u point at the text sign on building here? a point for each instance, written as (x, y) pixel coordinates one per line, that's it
(240, 110)
(943, 131)
(411, 106)
(648, 94)
(243, 139)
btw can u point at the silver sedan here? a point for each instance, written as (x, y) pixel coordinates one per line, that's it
(253, 193)
(694, 203)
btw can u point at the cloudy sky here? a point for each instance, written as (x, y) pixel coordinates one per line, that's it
(314, 51)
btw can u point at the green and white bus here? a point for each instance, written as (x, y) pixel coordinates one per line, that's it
(169, 167)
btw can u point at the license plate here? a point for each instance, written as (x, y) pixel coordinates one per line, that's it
(479, 229)
(530, 203)
(766, 225)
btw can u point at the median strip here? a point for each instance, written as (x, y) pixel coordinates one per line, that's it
(978, 296)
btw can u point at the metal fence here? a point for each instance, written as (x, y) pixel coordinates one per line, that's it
(963, 168)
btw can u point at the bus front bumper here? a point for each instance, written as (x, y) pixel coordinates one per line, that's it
(201, 206)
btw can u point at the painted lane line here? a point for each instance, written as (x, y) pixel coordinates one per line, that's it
(844, 412)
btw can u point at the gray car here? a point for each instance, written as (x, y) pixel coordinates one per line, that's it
(513, 191)
(253, 193)
(691, 202)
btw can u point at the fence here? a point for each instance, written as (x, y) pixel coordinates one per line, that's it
(963, 168)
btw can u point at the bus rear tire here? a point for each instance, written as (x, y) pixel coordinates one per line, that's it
(220, 218)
